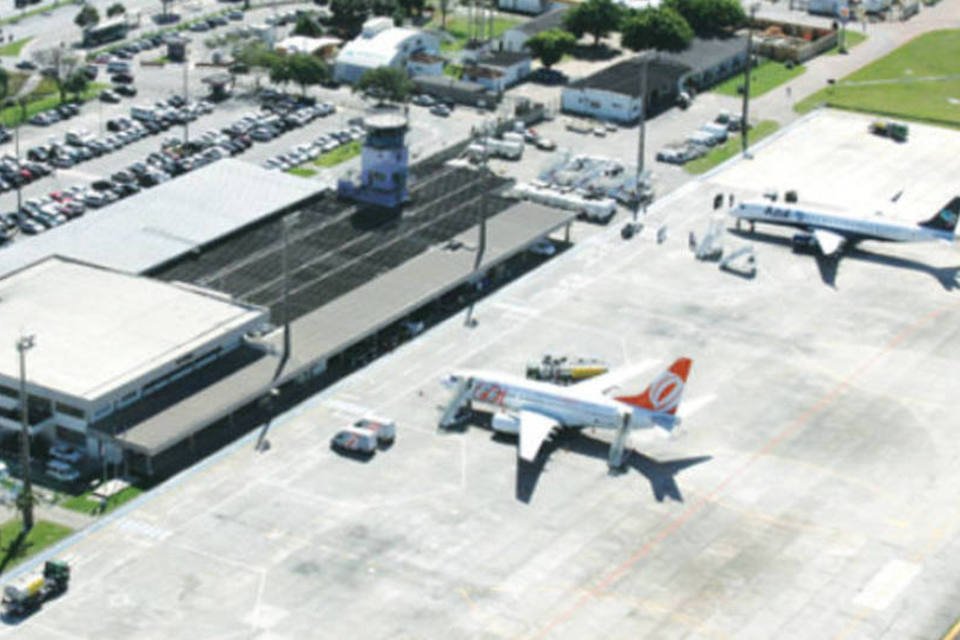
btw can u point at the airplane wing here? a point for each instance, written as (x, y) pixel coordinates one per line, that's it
(534, 429)
(603, 384)
(830, 243)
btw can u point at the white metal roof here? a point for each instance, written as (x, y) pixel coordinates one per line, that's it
(98, 329)
(380, 49)
(167, 221)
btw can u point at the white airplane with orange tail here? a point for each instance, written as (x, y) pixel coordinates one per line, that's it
(532, 410)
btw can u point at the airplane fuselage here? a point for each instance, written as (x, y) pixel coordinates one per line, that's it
(849, 227)
(563, 404)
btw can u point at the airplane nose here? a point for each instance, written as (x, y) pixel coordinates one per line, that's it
(449, 381)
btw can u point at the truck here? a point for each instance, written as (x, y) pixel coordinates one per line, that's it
(506, 148)
(896, 131)
(565, 369)
(28, 595)
(384, 428)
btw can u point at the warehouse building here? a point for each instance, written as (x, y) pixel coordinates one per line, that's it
(614, 93)
(515, 39)
(381, 44)
(106, 340)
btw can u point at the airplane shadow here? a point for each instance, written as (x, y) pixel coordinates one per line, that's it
(829, 266)
(660, 474)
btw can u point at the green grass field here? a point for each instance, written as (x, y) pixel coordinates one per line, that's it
(85, 503)
(13, 49)
(42, 535)
(907, 83)
(852, 39)
(338, 155)
(14, 19)
(459, 28)
(44, 97)
(730, 148)
(765, 77)
(303, 172)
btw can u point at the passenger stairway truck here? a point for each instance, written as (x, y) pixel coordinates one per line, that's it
(28, 595)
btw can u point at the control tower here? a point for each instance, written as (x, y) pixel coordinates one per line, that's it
(383, 176)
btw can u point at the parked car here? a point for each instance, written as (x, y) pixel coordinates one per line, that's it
(125, 90)
(121, 78)
(66, 452)
(440, 110)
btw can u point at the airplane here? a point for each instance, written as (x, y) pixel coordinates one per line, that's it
(533, 409)
(831, 231)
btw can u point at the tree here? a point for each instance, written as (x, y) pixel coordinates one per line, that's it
(388, 84)
(88, 17)
(348, 15)
(255, 56)
(116, 9)
(58, 64)
(660, 29)
(76, 83)
(444, 8)
(549, 46)
(412, 7)
(386, 8)
(308, 26)
(596, 17)
(4, 85)
(710, 17)
(307, 70)
(280, 71)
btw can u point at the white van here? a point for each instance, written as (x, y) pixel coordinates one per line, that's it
(143, 113)
(78, 137)
(355, 440)
(385, 429)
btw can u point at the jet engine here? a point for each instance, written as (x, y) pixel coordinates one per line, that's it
(506, 423)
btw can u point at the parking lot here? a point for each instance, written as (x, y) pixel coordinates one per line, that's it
(810, 493)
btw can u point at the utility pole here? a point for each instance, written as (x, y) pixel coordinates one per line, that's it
(641, 138)
(16, 143)
(186, 94)
(25, 499)
(745, 118)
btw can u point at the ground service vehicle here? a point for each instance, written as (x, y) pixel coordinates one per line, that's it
(355, 440)
(564, 369)
(888, 129)
(28, 596)
(385, 429)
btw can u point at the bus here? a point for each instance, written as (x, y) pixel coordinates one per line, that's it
(108, 31)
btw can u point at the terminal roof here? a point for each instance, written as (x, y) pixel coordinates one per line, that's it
(98, 329)
(172, 219)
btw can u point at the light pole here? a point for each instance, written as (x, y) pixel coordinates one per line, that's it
(16, 147)
(744, 119)
(642, 137)
(25, 499)
(186, 95)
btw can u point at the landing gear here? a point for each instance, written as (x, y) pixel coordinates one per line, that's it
(615, 463)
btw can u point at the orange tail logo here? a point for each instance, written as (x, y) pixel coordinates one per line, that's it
(663, 394)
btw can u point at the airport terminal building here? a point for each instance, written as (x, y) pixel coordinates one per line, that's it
(105, 340)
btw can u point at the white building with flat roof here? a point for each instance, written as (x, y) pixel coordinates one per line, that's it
(381, 44)
(105, 340)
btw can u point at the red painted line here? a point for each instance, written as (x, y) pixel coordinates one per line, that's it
(676, 523)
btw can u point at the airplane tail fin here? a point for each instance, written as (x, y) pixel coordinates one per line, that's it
(663, 394)
(946, 218)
